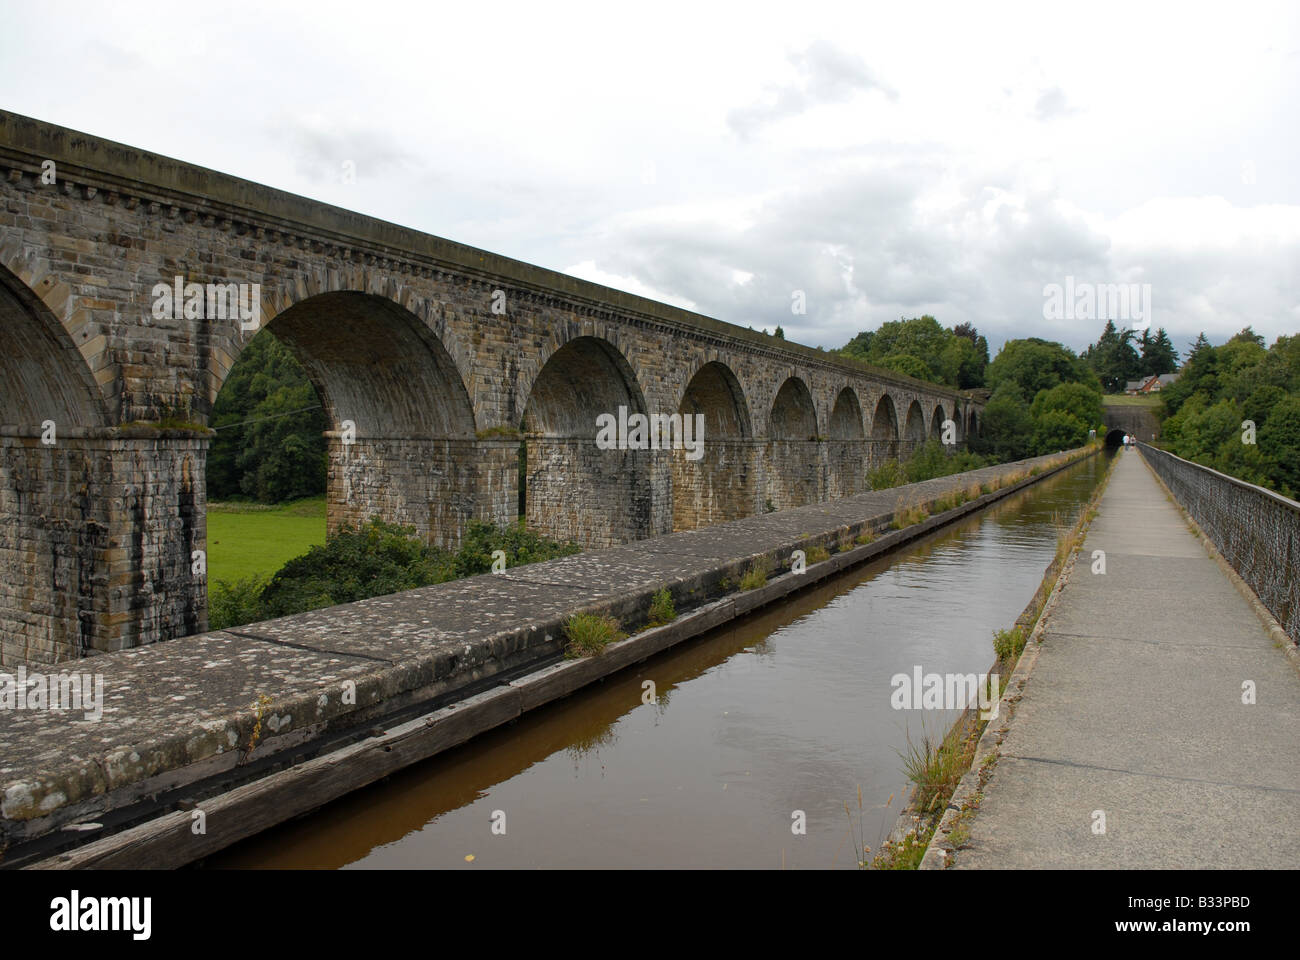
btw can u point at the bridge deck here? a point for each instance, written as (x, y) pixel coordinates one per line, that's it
(1134, 708)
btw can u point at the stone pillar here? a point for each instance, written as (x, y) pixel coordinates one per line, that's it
(722, 485)
(435, 486)
(98, 540)
(598, 498)
(796, 473)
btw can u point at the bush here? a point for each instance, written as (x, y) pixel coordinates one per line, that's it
(234, 603)
(1058, 430)
(888, 474)
(520, 545)
(377, 559)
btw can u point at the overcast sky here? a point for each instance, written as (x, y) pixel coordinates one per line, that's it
(887, 160)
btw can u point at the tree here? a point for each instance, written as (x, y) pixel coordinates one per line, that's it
(779, 334)
(1079, 401)
(1006, 430)
(1058, 430)
(1279, 443)
(1158, 354)
(907, 365)
(1113, 358)
(270, 425)
(1034, 364)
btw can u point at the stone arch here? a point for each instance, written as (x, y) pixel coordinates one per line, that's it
(914, 429)
(884, 430)
(972, 425)
(936, 422)
(401, 424)
(717, 484)
(847, 446)
(794, 454)
(45, 376)
(377, 365)
(575, 489)
(55, 533)
(793, 415)
(324, 301)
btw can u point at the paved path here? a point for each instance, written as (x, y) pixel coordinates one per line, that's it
(1134, 708)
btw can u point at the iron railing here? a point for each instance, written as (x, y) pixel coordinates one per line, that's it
(1256, 530)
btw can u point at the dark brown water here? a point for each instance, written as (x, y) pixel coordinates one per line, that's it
(786, 710)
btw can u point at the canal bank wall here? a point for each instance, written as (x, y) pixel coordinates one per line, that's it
(206, 740)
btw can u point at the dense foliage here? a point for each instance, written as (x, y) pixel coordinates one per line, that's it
(924, 349)
(269, 421)
(1221, 388)
(1116, 360)
(1044, 399)
(377, 559)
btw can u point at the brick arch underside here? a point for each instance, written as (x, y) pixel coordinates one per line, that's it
(63, 503)
(719, 484)
(847, 447)
(401, 438)
(574, 489)
(795, 472)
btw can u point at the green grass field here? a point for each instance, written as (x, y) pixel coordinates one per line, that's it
(255, 539)
(1124, 400)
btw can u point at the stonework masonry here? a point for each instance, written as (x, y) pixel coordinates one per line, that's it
(437, 363)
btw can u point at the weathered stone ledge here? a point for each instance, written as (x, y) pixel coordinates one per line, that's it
(179, 718)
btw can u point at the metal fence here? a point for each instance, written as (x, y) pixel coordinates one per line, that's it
(1256, 530)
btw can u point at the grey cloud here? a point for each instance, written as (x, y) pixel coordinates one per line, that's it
(827, 75)
(321, 155)
(1051, 104)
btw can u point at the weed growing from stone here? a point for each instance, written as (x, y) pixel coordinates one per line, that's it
(589, 634)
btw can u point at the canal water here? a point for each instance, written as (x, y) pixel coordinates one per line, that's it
(784, 713)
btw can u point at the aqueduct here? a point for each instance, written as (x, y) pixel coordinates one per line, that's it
(435, 362)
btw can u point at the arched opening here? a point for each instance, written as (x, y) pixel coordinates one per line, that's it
(588, 458)
(55, 503)
(972, 425)
(401, 426)
(847, 449)
(715, 482)
(914, 432)
(343, 407)
(936, 423)
(794, 451)
(1115, 438)
(884, 431)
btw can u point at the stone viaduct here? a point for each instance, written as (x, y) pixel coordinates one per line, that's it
(439, 365)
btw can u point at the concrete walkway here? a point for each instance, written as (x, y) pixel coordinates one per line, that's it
(1134, 708)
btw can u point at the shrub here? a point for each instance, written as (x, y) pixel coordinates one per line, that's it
(234, 603)
(888, 474)
(817, 555)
